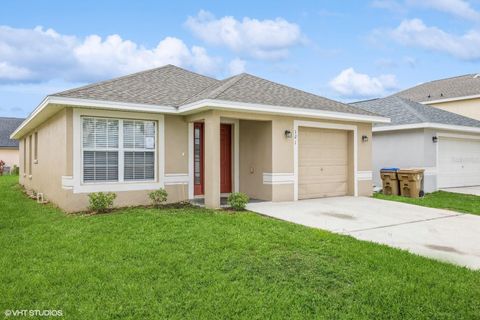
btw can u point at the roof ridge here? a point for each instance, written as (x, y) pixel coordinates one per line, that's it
(227, 83)
(412, 109)
(11, 118)
(127, 77)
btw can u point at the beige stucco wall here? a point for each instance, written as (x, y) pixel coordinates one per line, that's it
(10, 157)
(262, 143)
(469, 108)
(255, 158)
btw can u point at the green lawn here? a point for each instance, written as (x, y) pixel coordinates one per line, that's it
(444, 200)
(196, 264)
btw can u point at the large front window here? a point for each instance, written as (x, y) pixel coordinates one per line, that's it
(116, 150)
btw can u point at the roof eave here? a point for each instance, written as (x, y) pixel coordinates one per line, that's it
(281, 110)
(426, 125)
(47, 108)
(475, 96)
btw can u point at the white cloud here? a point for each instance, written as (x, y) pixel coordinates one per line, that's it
(350, 84)
(459, 8)
(261, 39)
(390, 5)
(415, 33)
(236, 66)
(39, 55)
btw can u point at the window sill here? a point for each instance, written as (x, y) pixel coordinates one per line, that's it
(117, 186)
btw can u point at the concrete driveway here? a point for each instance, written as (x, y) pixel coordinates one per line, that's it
(475, 190)
(440, 234)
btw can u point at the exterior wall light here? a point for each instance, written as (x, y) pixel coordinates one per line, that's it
(364, 138)
(288, 134)
(434, 139)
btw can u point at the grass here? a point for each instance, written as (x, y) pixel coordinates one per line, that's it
(196, 264)
(443, 200)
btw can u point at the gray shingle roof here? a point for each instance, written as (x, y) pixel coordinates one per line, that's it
(7, 126)
(173, 86)
(461, 86)
(165, 86)
(404, 111)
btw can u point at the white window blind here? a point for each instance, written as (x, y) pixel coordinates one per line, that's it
(104, 156)
(139, 140)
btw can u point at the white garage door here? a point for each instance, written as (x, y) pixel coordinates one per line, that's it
(322, 163)
(458, 162)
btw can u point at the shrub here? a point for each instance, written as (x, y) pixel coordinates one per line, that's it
(238, 200)
(2, 167)
(158, 197)
(100, 201)
(15, 170)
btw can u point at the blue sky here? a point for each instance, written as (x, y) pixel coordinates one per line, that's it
(342, 50)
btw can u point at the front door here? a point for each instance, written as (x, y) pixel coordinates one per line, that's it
(225, 158)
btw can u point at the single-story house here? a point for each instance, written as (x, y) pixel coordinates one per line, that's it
(196, 137)
(445, 144)
(9, 147)
(459, 95)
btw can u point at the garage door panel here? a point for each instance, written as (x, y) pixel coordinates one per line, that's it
(323, 163)
(320, 190)
(458, 162)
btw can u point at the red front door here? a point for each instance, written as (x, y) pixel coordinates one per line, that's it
(225, 158)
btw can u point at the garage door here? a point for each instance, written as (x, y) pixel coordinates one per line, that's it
(458, 162)
(322, 163)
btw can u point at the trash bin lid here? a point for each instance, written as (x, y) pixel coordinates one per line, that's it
(389, 169)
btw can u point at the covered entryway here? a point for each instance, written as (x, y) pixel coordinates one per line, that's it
(323, 162)
(458, 162)
(226, 158)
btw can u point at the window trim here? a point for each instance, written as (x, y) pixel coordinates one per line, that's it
(75, 182)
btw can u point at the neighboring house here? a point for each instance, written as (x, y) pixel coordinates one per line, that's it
(197, 137)
(460, 95)
(9, 147)
(445, 144)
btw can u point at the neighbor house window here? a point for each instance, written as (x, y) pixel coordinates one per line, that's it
(117, 150)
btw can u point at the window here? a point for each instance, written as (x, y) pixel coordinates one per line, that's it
(116, 150)
(25, 155)
(30, 155)
(35, 150)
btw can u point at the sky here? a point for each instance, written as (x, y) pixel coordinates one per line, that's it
(343, 50)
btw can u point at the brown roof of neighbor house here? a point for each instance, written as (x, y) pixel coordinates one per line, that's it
(7, 126)
(174, 86)
(456, 87)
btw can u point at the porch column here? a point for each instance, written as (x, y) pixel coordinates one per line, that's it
(212, 160)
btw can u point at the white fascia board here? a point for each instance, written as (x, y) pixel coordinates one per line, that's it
(425, 125)
(475, 96)
(88, 103)
(262, 108)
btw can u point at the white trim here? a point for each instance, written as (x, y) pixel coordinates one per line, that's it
(205, 104)
(364, 176)
(190, 161)
(323, 125)
(424, 125)
(176, 178)
(278, 178)
(80, 187)
(67, 182)
(456, 135)
(475, 96)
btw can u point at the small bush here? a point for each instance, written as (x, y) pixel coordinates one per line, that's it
(238, 200)
(2, 167)
(158, 197)
(101, 201)
(15, 170)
